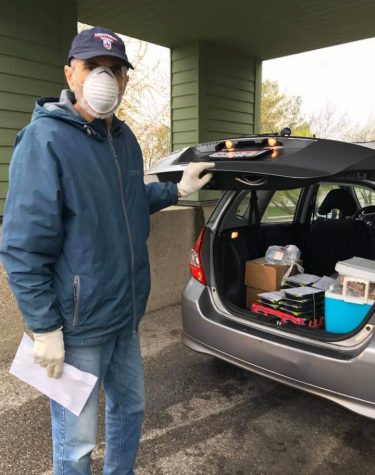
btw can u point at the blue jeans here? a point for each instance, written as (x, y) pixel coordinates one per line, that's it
(118, 365)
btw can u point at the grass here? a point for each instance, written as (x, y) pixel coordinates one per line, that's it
(273, 211)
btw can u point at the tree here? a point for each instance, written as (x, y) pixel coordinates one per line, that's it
(278, 110)
(145, 105)
(365, 196)
(327, 123)
(362, 132)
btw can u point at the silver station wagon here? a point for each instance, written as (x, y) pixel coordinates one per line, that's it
(280, 190)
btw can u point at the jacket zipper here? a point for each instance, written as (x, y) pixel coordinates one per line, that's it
(76, 298)
(110, 141)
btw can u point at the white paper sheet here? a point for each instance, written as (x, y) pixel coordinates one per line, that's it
(71, 390)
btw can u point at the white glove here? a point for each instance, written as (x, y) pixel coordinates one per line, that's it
(190, 181)
(48, 352)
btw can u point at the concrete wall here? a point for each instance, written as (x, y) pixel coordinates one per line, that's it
(173, 233)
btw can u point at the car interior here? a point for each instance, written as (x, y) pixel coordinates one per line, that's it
(328, 222)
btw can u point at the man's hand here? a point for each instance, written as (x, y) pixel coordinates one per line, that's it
(48, 352)
(190, 181)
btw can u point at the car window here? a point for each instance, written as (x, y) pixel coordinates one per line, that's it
(282, 207)
(365, 196)
(243, 206)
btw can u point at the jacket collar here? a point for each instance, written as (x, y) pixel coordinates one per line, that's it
(62, 109)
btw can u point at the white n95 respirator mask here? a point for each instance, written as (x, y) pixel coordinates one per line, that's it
(101, 91)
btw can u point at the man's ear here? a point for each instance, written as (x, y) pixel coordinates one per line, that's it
(125, 81)
(68, 71)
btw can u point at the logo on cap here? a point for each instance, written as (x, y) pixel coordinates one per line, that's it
(107, 39)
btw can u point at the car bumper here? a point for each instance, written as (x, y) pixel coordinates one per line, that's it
(347, 380)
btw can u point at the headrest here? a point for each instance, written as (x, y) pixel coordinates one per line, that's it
(339, 199)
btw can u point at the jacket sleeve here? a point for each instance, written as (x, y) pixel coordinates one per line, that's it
(32, 229)
(161, 195)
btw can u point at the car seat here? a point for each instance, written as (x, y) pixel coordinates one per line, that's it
(333, 240)
(341, 200)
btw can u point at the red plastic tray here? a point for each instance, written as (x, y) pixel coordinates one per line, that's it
(286, 317)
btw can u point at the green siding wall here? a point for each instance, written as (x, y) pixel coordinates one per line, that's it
(228, 103)
(34, 40)
(184, 96)
(213, 93)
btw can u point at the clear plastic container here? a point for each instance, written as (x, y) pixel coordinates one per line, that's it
(283, 254)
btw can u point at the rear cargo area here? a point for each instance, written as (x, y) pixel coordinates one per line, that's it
(243, 283)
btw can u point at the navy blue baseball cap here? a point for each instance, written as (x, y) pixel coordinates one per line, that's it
(98, 42)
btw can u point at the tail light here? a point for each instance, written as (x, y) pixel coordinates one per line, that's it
(196, 268)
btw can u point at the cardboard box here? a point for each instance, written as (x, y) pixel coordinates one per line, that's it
(251, 296)
(259, 274)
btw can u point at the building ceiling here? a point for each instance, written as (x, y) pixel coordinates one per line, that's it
(264, 29)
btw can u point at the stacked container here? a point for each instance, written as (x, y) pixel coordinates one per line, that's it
(346, 310)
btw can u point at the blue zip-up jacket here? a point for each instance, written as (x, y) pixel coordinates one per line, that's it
(76, 224)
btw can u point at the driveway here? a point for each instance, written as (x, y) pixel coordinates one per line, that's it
(203, 417)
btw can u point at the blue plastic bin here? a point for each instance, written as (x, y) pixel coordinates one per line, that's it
(341, 316)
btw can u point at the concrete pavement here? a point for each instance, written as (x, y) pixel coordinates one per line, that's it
(203, 417)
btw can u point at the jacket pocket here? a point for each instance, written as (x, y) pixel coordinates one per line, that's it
(76, 299)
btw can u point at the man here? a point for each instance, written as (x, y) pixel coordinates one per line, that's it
(74, 247)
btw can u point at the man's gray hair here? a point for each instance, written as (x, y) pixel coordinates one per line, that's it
(73, 62)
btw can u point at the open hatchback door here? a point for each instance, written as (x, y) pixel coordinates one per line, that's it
(271, 161)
